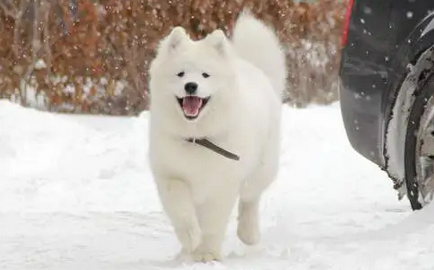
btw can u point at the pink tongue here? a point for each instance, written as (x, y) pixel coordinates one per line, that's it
(191, 106)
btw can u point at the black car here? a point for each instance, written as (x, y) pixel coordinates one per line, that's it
(387, 88)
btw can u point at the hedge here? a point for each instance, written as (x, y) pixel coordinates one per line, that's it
(87, 56)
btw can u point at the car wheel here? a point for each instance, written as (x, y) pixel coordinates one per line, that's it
(419, 146)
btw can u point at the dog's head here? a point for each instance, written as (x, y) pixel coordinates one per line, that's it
(189, 78)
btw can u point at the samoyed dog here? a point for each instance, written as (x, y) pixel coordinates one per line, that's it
(214, 131)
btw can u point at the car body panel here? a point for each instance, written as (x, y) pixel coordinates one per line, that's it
(363, 74)
(383, 38)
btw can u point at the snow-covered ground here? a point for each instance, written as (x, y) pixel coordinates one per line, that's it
(76, 193)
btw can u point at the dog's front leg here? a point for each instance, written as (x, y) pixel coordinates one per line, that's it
(213, 218)
(177, 201)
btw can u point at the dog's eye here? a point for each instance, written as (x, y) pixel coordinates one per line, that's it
(205, 75)
(180, 74)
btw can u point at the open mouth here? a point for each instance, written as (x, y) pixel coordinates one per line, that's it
(192, 105)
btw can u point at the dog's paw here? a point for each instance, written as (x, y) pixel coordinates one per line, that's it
(198, 255)
(205, 256)
(248, 230)
(249, 235)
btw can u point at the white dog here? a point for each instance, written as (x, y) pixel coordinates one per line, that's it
(215, 129)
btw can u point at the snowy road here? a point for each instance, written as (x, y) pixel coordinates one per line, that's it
(76, 193)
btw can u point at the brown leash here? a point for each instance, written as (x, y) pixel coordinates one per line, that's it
(207, 144)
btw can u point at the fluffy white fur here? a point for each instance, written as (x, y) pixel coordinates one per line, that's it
(198, 188)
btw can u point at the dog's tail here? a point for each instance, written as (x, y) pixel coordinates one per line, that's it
(258, 44)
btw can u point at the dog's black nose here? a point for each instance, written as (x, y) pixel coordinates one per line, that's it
(190, 88)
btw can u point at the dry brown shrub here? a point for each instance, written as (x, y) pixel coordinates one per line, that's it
(97, 52)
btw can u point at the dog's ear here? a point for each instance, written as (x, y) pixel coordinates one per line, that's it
(218, 40)
(175, 38)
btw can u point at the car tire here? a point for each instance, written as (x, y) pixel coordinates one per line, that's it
(422, 97)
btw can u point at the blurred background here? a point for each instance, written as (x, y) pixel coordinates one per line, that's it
(92, 57)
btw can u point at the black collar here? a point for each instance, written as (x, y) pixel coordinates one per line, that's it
(207, 144)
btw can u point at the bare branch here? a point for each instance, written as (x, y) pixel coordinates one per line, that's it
(17, 26)
(46, 33)
(35, 47)
(9, 9)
